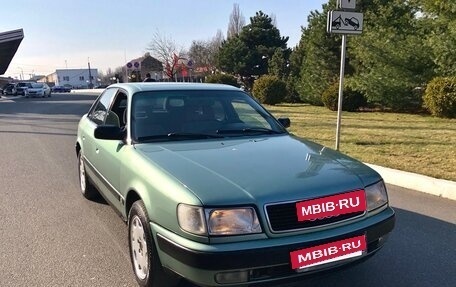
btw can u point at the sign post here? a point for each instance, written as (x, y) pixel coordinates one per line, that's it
(341, 89)
(343, 22)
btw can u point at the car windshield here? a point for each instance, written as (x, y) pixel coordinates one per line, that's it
(28, 85)
(187, 115)
(37, 85)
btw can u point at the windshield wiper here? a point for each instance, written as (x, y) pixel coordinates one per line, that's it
(178, 136)
(249, 130)
(194, 136)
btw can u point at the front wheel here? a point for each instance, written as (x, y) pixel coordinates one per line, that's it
(143, 252)
(87, 189)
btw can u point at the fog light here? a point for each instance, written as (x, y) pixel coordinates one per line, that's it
(383, 238)
(232, 277)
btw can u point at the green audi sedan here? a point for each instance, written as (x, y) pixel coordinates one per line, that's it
(215, 190)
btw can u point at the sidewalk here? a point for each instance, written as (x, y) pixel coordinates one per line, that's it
(439, 187)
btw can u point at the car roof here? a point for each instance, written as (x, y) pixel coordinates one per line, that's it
(164, 86)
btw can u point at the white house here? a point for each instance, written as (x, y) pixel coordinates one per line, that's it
(77, 78)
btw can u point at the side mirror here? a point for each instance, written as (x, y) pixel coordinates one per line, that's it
(285, 122)
(109, 133)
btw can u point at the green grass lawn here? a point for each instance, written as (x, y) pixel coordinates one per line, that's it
(416, 143)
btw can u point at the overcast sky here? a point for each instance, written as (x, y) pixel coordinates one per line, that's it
(60, 34)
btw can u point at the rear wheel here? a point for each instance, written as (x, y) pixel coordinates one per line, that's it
(143, 252)
(87, 189)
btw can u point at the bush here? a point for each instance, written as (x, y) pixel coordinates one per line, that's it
(222, 79)
(292, 94)
(440, 97)
(269, 90)
(352, 100)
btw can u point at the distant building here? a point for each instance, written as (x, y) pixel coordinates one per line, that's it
(5, 80)
(36, 78)
(137, 69)
(76, 78)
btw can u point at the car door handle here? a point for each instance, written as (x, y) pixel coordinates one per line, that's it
(97, 150)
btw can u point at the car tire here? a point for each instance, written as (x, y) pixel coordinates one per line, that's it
(146, 264)
(87, 189)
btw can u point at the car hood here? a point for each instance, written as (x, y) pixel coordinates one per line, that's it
(35, 89)
(258, 170)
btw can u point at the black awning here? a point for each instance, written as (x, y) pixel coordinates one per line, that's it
(9, 43)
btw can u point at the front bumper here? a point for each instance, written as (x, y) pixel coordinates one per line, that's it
(35, 94)
(265, 260)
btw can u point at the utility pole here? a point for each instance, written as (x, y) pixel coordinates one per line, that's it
(90, 74)
(126, 68)
(21, 75)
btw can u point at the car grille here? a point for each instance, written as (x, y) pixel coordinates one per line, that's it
(283, 217)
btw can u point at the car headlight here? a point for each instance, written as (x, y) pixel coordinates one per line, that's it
(220, 221)
(191, 219)
(376, 195)
(233, 221)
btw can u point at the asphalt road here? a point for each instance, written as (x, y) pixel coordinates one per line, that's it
(51, 236)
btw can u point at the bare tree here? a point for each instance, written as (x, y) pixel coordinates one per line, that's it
(203, 53)
(237, 21)
(218, 39)
(273, 19)
(200, 53)
(166, 51)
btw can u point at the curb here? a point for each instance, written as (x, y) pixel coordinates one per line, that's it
(438, 187)
(88, 91)
(10, 98)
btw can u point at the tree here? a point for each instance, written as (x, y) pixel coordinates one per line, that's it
(391, 58)
(218, 40)
(441, 14)
(167, 52)
(112, 76)
(278, 65)
(274, 19)
(237, 21)
(203, 53)
(318, 55)
(247, 54)
(386, 63)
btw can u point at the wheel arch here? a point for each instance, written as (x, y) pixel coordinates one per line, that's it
(77, 147)
(131, 197)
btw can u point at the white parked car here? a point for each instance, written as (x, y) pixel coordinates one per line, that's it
(38, 90)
